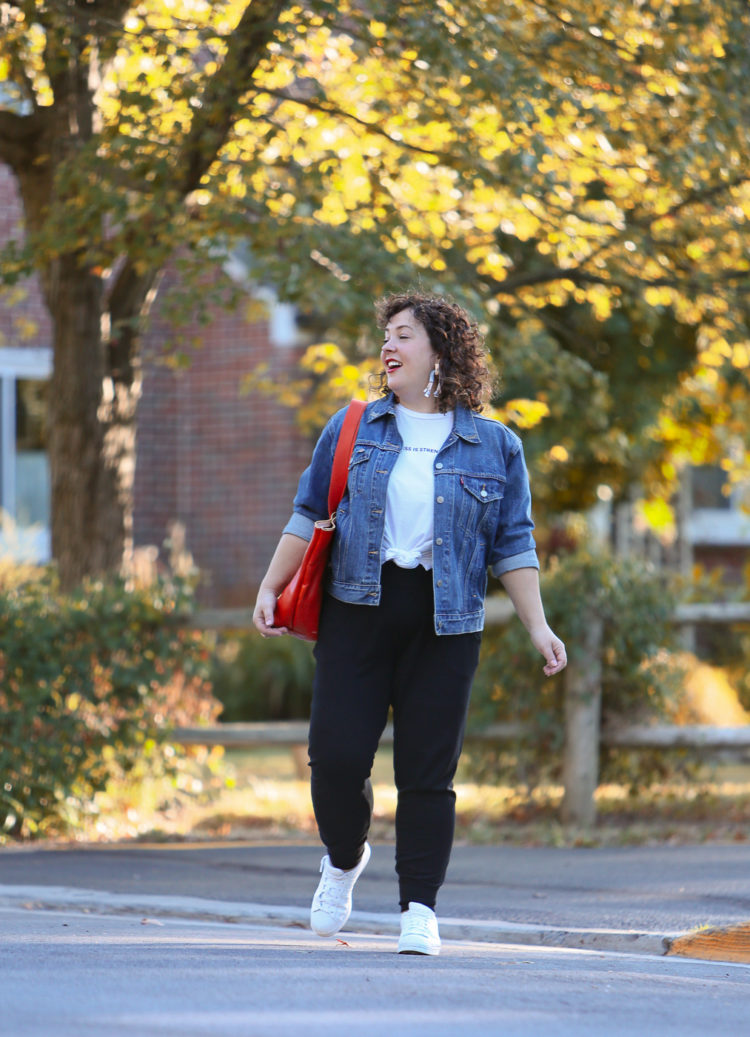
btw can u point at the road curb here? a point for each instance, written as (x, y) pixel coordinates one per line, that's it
(63, 898)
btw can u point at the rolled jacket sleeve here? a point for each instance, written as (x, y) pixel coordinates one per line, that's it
(299, 526)
(514, 546)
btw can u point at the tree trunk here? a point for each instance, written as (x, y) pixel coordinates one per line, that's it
(89, 447)
(91, 419)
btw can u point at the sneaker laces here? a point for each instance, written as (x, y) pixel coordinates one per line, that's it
(420, 925)
(334, 889)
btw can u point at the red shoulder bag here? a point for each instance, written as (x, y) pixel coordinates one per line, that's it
(298, 605)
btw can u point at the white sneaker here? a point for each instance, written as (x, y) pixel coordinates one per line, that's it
(332, 903)
(419, 931)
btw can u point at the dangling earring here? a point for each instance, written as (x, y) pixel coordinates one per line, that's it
(436, 372)
(428, 388)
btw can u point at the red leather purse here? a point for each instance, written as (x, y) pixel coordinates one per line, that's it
(298, 605)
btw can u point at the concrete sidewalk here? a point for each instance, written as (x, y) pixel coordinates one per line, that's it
(643, 899)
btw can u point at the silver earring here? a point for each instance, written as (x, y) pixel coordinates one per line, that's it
(436, 372)
(428, 388)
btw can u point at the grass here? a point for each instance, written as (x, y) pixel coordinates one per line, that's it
(261, 796)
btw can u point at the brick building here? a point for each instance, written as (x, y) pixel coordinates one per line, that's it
(221, 463)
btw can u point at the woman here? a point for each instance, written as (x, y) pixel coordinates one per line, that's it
(436, 494)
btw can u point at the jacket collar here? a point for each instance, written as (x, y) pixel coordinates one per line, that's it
(464, 424)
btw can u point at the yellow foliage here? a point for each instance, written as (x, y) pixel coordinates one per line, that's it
(707, 696)
(601, 302)
(558, 453)
(324, 381)
(524, 414)
(658, 516)
(658, 296)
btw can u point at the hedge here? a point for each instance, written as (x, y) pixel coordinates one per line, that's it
(85, 685)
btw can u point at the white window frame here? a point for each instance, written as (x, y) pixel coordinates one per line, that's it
(721, 527)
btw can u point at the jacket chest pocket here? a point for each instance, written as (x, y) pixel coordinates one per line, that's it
(359, 469)
(479, 502)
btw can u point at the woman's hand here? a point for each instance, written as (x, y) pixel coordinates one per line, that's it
(522, 586)
(551, 647)
(265, 607)
(286, 560)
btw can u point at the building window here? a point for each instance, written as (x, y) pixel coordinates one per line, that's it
(717, 518)
(24, 463)
(708, 488)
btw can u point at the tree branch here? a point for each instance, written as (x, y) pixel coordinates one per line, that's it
(447, 158)
(695, 197)
(615, 46)
(106, 21)
(19, 137)
(331, 109)
(218, 107)
(546, 275)
(125, 302)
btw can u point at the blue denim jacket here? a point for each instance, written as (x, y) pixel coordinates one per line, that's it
(482, 515)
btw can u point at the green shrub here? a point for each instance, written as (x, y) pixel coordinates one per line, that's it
(259, 678)
(85, 683)
(638, 675)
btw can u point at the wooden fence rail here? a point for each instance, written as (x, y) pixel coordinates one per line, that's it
(290, 733)
(497, 610)
(583, 734)
(286, 734)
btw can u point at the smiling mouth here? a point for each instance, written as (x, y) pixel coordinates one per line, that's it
(392, 365)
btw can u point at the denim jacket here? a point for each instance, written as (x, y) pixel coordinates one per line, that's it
(482, 512)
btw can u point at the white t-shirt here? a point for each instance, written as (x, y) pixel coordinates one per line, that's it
(407, 538)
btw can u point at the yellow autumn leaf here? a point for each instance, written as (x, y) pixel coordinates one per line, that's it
(523, 413)
(658, 516)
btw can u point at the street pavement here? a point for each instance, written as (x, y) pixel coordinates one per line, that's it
(73, 974)
(687, 900)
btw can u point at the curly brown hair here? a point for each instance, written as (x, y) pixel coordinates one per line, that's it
(465, 377)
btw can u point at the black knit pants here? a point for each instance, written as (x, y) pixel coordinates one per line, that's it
(370, 658)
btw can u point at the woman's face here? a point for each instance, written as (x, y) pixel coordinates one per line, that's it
(408, 358)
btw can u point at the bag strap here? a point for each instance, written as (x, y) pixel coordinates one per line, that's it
(344, 448)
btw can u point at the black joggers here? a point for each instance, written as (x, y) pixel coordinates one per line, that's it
(370, 658)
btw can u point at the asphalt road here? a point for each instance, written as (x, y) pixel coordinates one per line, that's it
(73, 975)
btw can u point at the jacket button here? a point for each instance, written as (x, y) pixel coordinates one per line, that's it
(439, 541)
(440, 500)
(439, 465)
(440, 583)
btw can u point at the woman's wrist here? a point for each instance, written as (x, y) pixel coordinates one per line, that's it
(267, 588)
